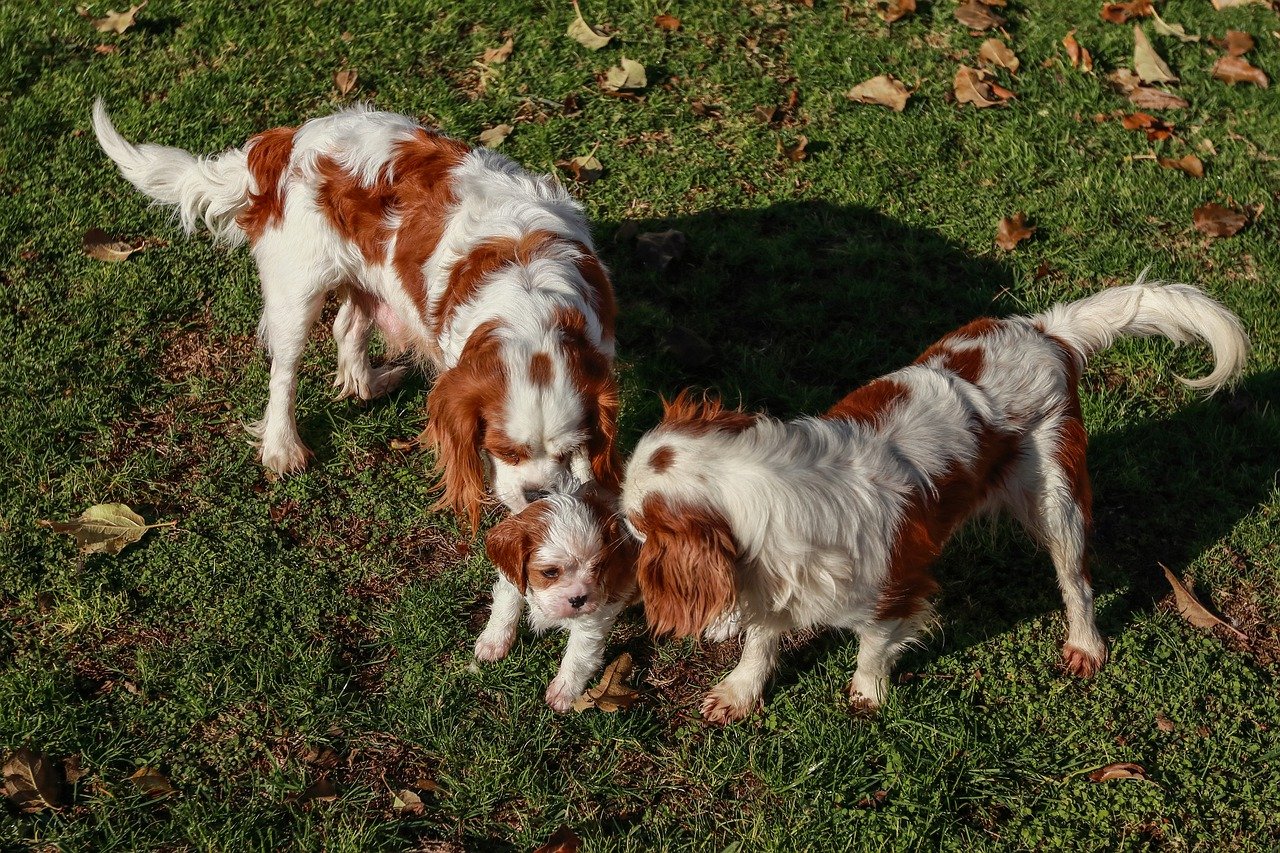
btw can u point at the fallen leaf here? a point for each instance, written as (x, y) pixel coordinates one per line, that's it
(1235, 69)
(499, 55)
(320, 757)
(98, 244)
(1190, 164)
(978, 87)
(585, 168)
(105, 49)
(977, 16)
(627, 75)
(796, 151)
(1233, 4)
(585, 34)
(1189, 607)
(322, 790)
(1237, 43)
(656, 250)
(1156, 99)
(493, 137)
(1012, 230)
(1163, 723)
(997, 55)
(1079, 56)
(72, 769)
(406, 802)
(670, 23)
(30, 782)
(152, 782)
(896, 10)
(1122, 13)
(705, 110)
(612, 693)
(1119, 770)
(1155, 128)
(1147, 63)
(345, 81)
(563, 840)
(105, 528)
(118, 22)
(1164, 28)
(885, 90)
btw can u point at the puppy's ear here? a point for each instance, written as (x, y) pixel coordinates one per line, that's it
(509, 545)
(602, 447)
(687, 567)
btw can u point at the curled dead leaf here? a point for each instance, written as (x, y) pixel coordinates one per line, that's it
(1012, 230)
(996, 54)
(1155, 128)
(499, 55)
(670, 23)
(321, 790)
(1079, 56)
(896, 10)
(563, 840)
(1122, 13)
(1147, 63)
(345, 81)
(1163, 723)
(656, 250)
(1236, 69)
(30, 781)
(1191, 164)
(585, 168)
(885, 90)
(494, 136)
(796, 150)
(1234, 4)
(99, 245)
(1189, 607)
(152, 782)
(978, 16)
(118, 22)
(1165, 28)
(408, 803)
(585, 34)
(1156, 99)
(1237, 43)
(1119, 770)
(612, 693)
(627, 76)
(978, 87)
(105, 528)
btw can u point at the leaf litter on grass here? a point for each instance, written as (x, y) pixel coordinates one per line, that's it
(1190, 163)
(98, 244)
(885, 90)
(977, 16)
(978, 87)
(499, 55)
(1012, 230)
(30, 781)
(585, 34)
(612, 693)
(105, 528)
(115, 22)
(1148, 65)
(1189, 607)
(1077, 54)
(996, 54)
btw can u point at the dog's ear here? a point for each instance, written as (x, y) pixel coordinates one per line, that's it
(592, 373)
(602, 446)
(687, 567)
(510, 544)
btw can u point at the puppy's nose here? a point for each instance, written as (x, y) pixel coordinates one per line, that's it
(578, 601)
(531, 495)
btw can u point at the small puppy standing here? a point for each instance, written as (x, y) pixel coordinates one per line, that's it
(835, 521)
(459, 255)
(568, 557)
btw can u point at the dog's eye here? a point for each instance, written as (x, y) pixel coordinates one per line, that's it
(551, 574)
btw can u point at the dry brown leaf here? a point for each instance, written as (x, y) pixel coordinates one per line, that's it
(105, 528)
(885, 90)
(1233, 4)
(344, 81)
(494, 136)
(1236, 69)
(978, 16)
(1237, 43)
(585, 168)
(656, 250)
(1122, 13)
(499, 55)
(1163, 723)
(98, 244)
(152, 782)
(612, 693)
(1079, 56)
(896, 10)
(1156, 99)
(1147, 63)
(30, 781)
(627, 76)
(406, 802)
(977, 87)
(670, 23)
(996, 54)
(1119, 770)
(118, 22)
(1191, 164)
(1189, 607)
(796, 151)
(585, 34)
(1165, 28)
(1012, 230)
(72, 769)
(105, 49)
(1155, 128)
(322, 790)
(563, 840)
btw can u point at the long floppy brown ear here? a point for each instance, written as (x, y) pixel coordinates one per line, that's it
(592, 374)
(602, 447)
(509, 545)
(687, 569)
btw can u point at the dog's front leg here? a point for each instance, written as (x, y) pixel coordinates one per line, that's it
(583, 655)
(504, 621)
(742, 690)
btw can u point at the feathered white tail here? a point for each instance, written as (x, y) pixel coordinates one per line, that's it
(1179, 312)
(209, 189)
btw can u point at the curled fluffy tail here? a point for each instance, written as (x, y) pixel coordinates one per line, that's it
(213, 190)
(1179, 312)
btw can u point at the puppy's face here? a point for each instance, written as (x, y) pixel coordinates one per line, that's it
(565, 553)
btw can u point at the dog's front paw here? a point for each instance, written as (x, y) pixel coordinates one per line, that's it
(285, 457)
(560, 695)
(1082, 663)
(725, 704)
(867, 692)
(494, 646)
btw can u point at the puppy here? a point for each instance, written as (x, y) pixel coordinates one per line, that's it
(835, 521)
(568, 557)
(455, 254)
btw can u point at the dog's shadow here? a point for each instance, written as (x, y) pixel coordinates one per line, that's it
(788, 308)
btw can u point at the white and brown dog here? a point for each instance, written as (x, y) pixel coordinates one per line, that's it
(835, 521)
(568, 557)
(481, 269)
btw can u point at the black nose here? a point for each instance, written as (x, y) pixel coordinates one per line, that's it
(531, 495)
(578, 601)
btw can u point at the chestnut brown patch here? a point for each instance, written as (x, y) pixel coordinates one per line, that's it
(268, 156)
(541, 370)
(871, 404)
(694, 416)
(660, 460)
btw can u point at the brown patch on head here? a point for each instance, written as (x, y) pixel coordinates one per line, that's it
(460, 404)
(541, 370)
(930, 518)
(512, 543)
(871, 404)
(662, 458)
(687, 568)
(616, 570)
(268, 156)
(469, 275)
(591, 372)
(700, 417)
(601, 291)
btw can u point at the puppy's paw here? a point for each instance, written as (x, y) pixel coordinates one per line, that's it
(1082, 663)
(866, 693)
(725, 704)
(284, 457)
(560, 695)
(491, 646)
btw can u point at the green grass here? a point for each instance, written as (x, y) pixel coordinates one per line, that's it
(332, 609)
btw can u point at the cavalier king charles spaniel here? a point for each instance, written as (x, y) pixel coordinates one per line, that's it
(480, 269)
(569, 558)
(835, 521)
